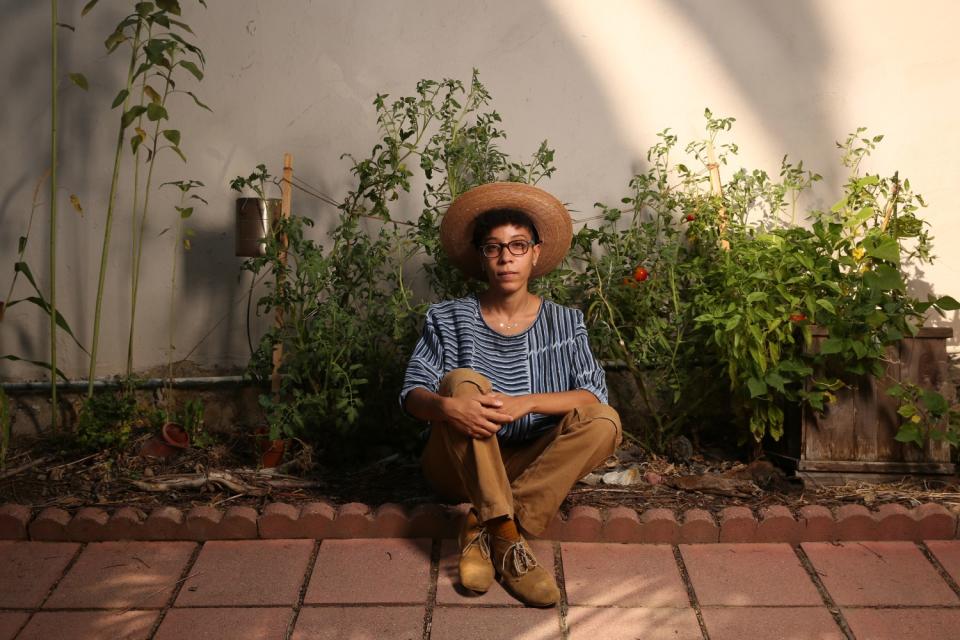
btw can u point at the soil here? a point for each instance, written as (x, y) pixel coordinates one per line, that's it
(106, 480)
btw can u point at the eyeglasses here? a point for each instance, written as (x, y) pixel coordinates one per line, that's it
(516, 247)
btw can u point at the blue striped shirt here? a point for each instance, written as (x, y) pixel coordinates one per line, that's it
(552, 355)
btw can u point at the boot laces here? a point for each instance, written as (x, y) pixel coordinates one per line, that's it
(482, 541)
(520, 557)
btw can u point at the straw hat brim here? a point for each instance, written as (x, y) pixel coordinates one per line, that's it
(548, 214)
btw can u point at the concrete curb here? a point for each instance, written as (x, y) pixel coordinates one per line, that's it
(317, 520)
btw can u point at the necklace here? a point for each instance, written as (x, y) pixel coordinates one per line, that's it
(512, 325)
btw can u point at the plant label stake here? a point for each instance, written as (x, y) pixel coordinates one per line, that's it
(717, 190)
(285, 196)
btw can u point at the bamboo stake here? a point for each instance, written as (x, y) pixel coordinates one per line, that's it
(53, 219)
(892, 203)
(717, 190)
(286, 194)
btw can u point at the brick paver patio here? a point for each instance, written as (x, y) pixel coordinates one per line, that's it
(405, 589)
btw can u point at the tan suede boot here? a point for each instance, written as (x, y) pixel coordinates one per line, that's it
(522, 575)
(476, 567)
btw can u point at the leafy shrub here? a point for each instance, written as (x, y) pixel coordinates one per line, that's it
(708, 293)
(705, 291)
(106, 421)
(350, 319)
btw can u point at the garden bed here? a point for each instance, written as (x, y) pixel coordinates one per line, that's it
(105, 481)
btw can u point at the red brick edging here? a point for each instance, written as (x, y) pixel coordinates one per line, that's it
(582, 524)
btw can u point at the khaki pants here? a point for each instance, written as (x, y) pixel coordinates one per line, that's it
(527, 480)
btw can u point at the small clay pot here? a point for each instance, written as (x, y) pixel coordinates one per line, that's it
(175, 435)
(272, 455)
(156, 447)
(271, 451)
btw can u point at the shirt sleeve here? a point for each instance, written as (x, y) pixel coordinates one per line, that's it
(425, 368)
(586, 372)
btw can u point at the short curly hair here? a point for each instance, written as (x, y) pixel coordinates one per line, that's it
(490, 220)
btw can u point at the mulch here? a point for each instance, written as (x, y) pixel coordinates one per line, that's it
(107, 480)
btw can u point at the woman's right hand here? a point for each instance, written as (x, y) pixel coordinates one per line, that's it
(475, 416)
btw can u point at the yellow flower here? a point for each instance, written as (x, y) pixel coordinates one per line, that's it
(858, 253)
(915, 419)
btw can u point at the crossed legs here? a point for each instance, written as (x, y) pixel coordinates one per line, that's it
(526, 481)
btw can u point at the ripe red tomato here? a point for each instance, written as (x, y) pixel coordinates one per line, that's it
(797, 317)
(640, 274)
(691, 217)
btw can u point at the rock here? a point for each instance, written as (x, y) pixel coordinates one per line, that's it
(591, 479)
(651, 477)
(624, 477)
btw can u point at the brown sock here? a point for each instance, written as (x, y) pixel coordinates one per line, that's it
(503, 527)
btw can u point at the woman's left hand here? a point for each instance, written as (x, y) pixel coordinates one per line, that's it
(516, 406)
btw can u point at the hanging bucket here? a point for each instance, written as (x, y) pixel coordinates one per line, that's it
(255, 217)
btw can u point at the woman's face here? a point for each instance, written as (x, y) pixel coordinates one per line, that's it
(507, 273)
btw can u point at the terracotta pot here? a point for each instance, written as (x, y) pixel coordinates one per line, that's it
(271, 451)
(155, 447)
(175, 435)
(272, 454)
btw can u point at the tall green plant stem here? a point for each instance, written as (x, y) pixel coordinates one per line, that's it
(133, 222)
(171, 317)
(135, 288)
(53, 213)
(109, 222)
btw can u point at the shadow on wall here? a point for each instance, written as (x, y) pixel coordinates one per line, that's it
(776, 53)
(26, 120)
(202, 286)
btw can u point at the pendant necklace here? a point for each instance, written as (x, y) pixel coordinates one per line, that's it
(509, 325)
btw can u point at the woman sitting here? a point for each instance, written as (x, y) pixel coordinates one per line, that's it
(515, 399)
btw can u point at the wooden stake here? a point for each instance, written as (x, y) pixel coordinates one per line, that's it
(286, 194)
(891, 207)
(717, 190)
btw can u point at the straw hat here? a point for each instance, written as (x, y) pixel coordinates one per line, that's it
(548, 214)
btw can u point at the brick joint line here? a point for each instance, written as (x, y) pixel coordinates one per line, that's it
(177, 587)
(828, 601)
(691, 593)
(925, 550)
(564, 606)
(53, 587)
(432, 588)
(311, 563)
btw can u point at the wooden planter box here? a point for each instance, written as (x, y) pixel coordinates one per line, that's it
(855, 435)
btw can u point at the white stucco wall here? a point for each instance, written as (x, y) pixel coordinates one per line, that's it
(598, 79)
